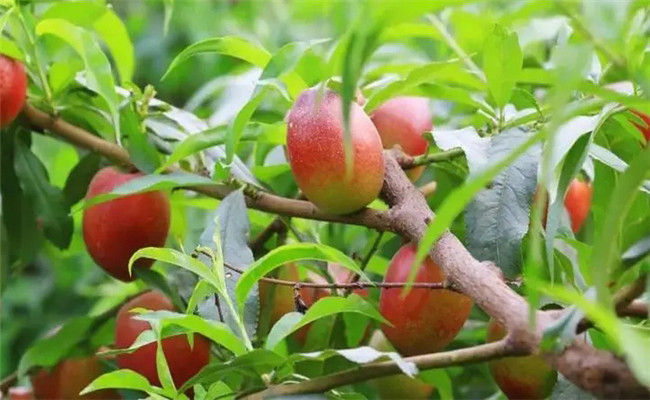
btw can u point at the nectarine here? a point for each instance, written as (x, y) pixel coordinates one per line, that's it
(113, 231)
(184, 361)
(13, 87)
(402, 121)
(425, 320)
(315, 147)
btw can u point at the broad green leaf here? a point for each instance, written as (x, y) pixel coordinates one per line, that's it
(162, 368)
(409, 31)
(50, 202)
(214, 330)
(424, 74)
(475, 147)
(49, 351)
(258, 361)
(236, 129)
(142, 152)
(121, 379)
(103, 20)
(177, 258)
(458, 200)
(502, 62)
(202, 290)
(322, 308)
(361, 355)
(232, 46)
(18, 209)
(149, 183)
(194, 144)
(76, 185)
(288, 254)
(227, 234)
(498, 217)
(99, 77)
(607, 246)
(635, 341)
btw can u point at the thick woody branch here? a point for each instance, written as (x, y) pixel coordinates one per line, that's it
(599, 372)
(261, 201)
(475, 354)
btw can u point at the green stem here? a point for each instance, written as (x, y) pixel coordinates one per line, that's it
(451, 42)
(436, 157)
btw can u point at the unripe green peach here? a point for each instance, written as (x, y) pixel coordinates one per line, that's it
(527, 377)
(315, 148)
(425, 320)
(402, 121)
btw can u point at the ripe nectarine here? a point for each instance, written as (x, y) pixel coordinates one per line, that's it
(13, 87)
(184, 361)
(527, 377)
(425, 320)
(315, 147)
(113, 231)
(402, 121)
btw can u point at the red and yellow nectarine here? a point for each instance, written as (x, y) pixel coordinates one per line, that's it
(13, 87)
(315, 147)
(425, 320)
(113, 231)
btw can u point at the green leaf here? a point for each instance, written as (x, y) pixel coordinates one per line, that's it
(607, 248)
(149, 183)
(79, 178)
(155, 279)
(239, 123)
(162, 368)
(288, 254)
(50, 203)
(121, 379)
(99, 77)
(177, 258)
(18, 210)
(322, 308)
(361, 355)
(49, 351)
(427, 73)
(232, 46)
(635, 341)
(141, 151)
(498, 217)
(195, 143)
(103, 20)
(458, 200)
(502, 62)
(475, 147)
(258, 361)
(214, 330)
(227, 230)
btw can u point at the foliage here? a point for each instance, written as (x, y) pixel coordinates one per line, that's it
(535, 93)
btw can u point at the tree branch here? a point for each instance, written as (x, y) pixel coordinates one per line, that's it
(596, 371)
(373, 370)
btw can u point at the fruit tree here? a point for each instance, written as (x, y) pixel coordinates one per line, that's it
(345, 199)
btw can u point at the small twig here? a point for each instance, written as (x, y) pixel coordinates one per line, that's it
(637, 308)
(352, 285)
(626, 295)
(276, 226)
(428, 188)
(8, 382)
(409, 162)
(480, 353)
